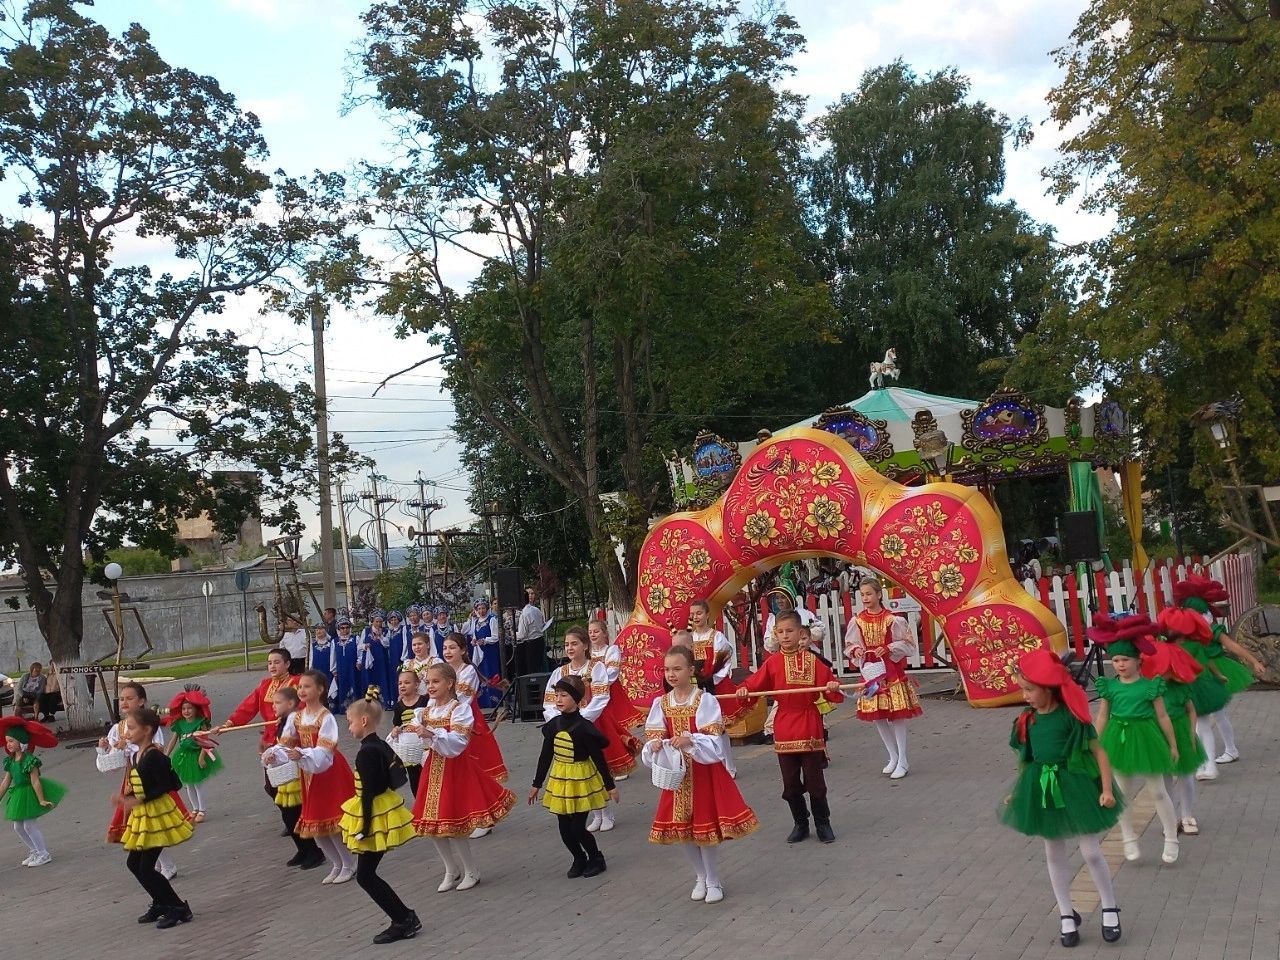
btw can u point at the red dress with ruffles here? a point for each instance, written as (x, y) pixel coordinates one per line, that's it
(895, 698)
(704, 652)
(455, 795)
(323, 794)
(483, 745)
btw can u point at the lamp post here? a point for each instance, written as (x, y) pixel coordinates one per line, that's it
(936, 451)
(113, 572)
(1219, 417)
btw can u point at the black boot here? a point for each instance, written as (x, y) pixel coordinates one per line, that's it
(314, 858)
(595, 866)
(799, 832)
(411, 924)
(1110, 934)
(174, 916)
(577, 869)
(154, 913)
(297, 860)
(824, 831)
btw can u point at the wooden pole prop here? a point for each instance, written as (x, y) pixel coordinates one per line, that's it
(243, 726)
(779, 693)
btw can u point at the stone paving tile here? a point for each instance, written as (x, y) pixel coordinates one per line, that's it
(921, 870)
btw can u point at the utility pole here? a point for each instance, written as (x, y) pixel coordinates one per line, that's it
(379, 530)
(322, 459)
(425, 508)
(343, 500)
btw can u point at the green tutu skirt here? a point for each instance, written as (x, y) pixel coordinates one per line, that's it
(1209, 694)
(1238, 677)
(1191, 753)
(1137, 747)
(186, 764)
(574, 786)
(1050, 801)
(20, 802)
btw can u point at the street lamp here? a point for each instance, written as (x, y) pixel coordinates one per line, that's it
(936, 451)
(113, 572)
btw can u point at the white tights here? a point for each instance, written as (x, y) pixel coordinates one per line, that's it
(1182, 790)
(705, 862)
(1129, 787)
(1225, 731)
(30, 835)
(1060, 873)
(336, 852)
(893, 734)
(165, 864)
(195, 798)
(456, 855)
(1204, 730)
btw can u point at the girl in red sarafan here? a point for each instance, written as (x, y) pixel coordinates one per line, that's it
(713, 654)
(706, 808)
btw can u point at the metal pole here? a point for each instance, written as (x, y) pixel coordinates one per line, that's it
(379, 531)
(244, 625)
(322, 459)
(346, 549)
(119, 617)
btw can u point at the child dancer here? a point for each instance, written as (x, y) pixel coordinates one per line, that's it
(193, 759)
(153, 819)
(375, 820)
(288, 798)
(403, 710)
(576, 774)
(595, 679)
(1134, 727)
(1063, 791)
(483, 630)
(322, 659)
(484, 745)
(1209, 694)
(421, 659)
(798, 725)
(310, 739)
(878, 644)
(621, 714)
(27, 795)
(344, 658)
(462, 797)
(133, 696)
(1178, 669)
(714, 654)
(707, 808)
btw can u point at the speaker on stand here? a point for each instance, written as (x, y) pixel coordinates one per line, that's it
(1082, 544)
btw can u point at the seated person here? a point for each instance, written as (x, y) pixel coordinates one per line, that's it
(51, 700)
(30, 690)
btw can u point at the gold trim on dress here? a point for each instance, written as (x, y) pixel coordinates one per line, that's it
(798, 746)
(800, 668)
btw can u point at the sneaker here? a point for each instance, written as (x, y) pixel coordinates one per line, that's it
(448, 883)
(392, 934)
(469, 880)
(593, 821)
(39, 860)
(174, 916)
(606, 820)
(699, 890)
(714, 894)
(479, 832)
(154, 913)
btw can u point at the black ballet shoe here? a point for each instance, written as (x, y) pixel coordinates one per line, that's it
(575, 871)
(174, 916)
(1110, 934)
(1071, 939)
(154, 913)
(396, 932)
(595, 866)
(297, 860)
(799, 832)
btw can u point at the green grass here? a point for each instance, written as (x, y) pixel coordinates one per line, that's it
(185, 671)
(1269, 596)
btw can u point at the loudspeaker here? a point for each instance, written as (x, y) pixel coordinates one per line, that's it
(529, 691)
(510, 592)
(1080, 543)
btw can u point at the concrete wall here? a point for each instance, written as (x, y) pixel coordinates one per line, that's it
(171, 606)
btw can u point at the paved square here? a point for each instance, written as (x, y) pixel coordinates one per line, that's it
(921, 868)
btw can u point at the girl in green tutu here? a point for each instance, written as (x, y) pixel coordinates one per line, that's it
(1179, 669)
(1134, 726)
(1209, 695)
(1063, 791)
(26, 794)
(191, 751)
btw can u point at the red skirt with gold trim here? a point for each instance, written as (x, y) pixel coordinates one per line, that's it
(620, 752)
(115, 829)
(323, 795)
(706, 809)
(484, 745)
(455, 797)
(621, 709)
(895, 700)
(733, 710)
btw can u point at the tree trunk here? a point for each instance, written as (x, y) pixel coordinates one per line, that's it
(63, 628)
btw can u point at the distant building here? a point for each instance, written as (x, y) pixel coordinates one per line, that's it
(199, 535)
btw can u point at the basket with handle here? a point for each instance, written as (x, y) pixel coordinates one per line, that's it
(282, 773)
(408, 747)
(668, 768)
(111, 761)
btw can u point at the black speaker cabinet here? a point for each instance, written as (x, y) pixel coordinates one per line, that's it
(510, 592)
(529, 691)
(1080, 543)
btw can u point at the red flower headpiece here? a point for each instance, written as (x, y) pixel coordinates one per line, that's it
(1198, 587)
(197, 698)
(1170, 661)
(1136, 628)
(1184, 622)
(1043, 668)
(36, 734)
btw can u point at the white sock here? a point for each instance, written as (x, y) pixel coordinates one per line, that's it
(726, 745)
(694, 855)
(1204, 730)
(1055, 856)
(165, 864)
(900, 739)
(710, 864)
(451, 865)
(1091, 850)
(462, 850)
(887, 737)
(1226, 731)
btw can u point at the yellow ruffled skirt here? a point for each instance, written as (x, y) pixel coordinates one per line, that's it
(574, 786)
(390, 826)
(156, 823)
(290, 795)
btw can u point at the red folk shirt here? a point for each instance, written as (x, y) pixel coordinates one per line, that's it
(797, 727)
(261, 701)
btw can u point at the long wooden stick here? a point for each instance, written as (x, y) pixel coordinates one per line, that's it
(243, 726)
(778, 693)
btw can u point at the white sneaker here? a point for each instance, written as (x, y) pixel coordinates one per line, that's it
(620, 777)
(344, 876)
(699, 890)
(1170, 854)
(899, 772)
(606, 820)
(891, 766)
(1227, 758)
(333, 874)
(468, 881)
(714, 894)
(447, 884)
(1132, 851)
(479, 832)
(168, 873)
(40, 859)
(593, 821)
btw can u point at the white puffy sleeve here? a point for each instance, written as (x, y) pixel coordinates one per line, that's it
(468, 684)
(319, 758)
(599, 693)
(771, 642)
(275, 754)
(854, 644)
(723, 646)
(817, 629)
(613, 662)
(708, 747)
(549, 711)
(902, 645)
(655, 731)
(452, 741)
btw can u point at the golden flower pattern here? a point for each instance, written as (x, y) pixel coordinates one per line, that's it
(681, 564)
(993, 641)
(929, 549)
(824, 516)
(760, 529)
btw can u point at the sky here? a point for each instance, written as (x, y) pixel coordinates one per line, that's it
(288, 61)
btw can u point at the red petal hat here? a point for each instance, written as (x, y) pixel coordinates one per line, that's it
(1184, 622)
(196, 697)
(1136, 628)
(38, 735)
(1043, 668)
(1170, 661)
(1199, 587)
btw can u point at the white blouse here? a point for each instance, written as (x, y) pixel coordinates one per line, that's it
(708, 744)
(116, 741)
(445, 728)
(611, 657)
(721, 645)
(596, 679)
(468, 686)
(315, 759)
(901, 644)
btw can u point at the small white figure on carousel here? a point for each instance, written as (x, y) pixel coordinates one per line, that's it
(888, 367)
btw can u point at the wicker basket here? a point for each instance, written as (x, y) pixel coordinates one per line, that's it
(668, 768)
(408, 747)
(112, 761)
(282, 773)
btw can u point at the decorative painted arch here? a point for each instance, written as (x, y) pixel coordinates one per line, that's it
(806, 493)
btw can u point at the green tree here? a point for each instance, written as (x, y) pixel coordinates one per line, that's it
(1174, 110)
(921, 253)
(103, 141)
(624, 178)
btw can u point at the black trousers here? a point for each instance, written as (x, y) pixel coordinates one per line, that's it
(297, 665)
(801, 774)
(291, 816)
(379, 890)
(576, 838)
(414, 773)
(142, 864)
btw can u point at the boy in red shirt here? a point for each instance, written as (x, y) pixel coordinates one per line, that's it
(797, 729)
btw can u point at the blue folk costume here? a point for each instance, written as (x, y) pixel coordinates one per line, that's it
(439, 631)
(411, 628)
(482, 630)
(401, 646)
(322, 659)
(373, 664)
(343, 660)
